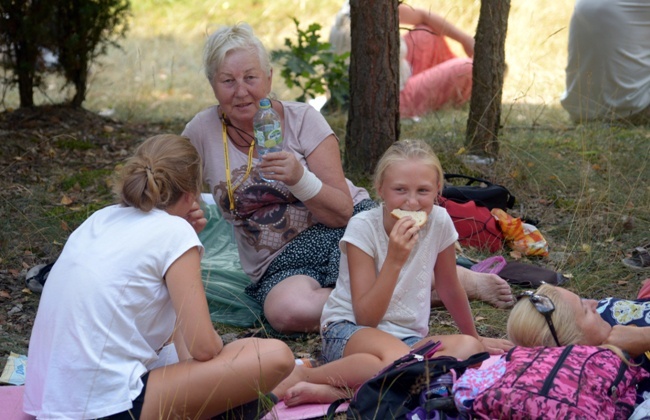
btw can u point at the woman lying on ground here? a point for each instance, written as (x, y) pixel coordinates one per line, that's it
(553, 316)
(126, 281)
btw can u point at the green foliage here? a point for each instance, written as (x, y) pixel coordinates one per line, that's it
(82, 32)
(312, 66)
(76, 32)
(22, 34)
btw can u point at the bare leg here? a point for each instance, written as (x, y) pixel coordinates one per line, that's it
(368, 351)
(295, 305)
(488, 288)
(244, 370)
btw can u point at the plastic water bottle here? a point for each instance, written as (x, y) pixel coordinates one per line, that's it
(268, 131)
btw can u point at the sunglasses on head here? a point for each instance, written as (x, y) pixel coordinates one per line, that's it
(544, 306)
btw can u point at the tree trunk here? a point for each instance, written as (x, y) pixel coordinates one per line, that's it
(25, 53)
(373, 116)
(487, 78)
(80, 84)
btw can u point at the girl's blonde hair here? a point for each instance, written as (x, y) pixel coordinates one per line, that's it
(527, 327)
(161, 170)
(230, 38)
(407, 150)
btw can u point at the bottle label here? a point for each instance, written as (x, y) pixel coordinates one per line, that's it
(274, 138)
(269, 136)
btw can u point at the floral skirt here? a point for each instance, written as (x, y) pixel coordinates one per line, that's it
(314, 253)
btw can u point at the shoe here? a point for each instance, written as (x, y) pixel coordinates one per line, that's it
(639, 260)
(36, 276)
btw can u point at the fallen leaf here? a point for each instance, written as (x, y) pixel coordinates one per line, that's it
(479, 318)
(64, 226)
(621, 282)
(4, 294)
(65, 200)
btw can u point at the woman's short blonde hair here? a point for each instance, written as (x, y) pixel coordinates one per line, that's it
(161, 170)
(230, 38)
(527, 327)
(406, 150)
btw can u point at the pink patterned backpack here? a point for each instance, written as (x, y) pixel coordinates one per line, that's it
(584, 382)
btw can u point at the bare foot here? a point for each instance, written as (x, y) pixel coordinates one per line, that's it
(492, 289)
(298, 374)
(306, 393)
(488, 288)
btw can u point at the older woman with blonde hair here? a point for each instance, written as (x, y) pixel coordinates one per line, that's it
(287, 230)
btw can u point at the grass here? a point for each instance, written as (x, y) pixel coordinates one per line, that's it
(586, 184)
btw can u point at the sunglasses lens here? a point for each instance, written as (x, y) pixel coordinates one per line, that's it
(544, 306)
(542, 303)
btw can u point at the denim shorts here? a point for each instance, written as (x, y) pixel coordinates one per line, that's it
(335, 336)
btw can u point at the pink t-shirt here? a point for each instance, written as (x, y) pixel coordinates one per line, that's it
(266, 215)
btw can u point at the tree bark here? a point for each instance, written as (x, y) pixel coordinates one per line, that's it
(373, 116)
(487, 79)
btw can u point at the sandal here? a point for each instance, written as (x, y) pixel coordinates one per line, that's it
(36, 276)
(639, 260)
(491, 265)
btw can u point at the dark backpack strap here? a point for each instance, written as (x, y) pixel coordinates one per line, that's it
(331, 410)
(470, 179)
(474, 360)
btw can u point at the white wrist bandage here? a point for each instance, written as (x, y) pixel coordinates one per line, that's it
(308, 186)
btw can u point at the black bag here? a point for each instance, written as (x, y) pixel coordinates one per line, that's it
(485, 194)
(414, 384)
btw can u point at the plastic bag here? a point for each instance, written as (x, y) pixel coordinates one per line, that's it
(222, 275)
(522, 237)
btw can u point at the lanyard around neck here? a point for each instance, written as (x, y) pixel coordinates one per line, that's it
(231, 189)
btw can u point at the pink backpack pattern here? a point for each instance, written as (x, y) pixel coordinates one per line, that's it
(584, 382)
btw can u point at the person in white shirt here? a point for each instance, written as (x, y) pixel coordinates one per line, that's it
(127, 281)
(380, 307)
(608, 68)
